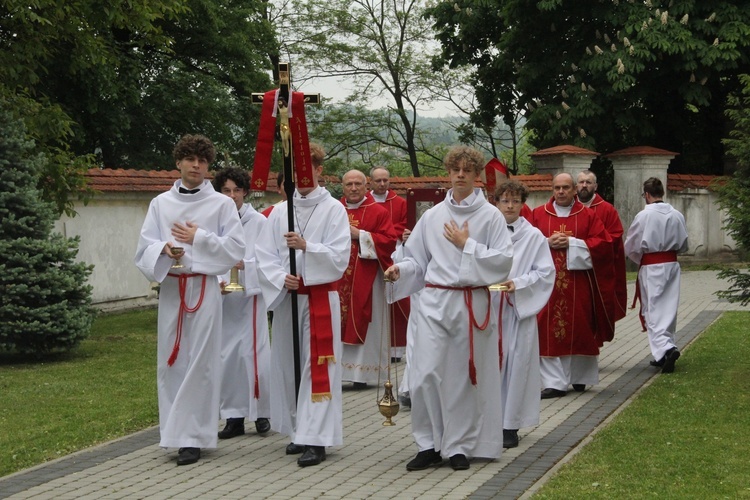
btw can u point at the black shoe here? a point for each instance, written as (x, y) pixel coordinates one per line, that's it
(404, 401)
(235, 427)
(579, 387)
(510, 438)
(552, 393)
(459, 462)
(187, 456)
(670, 358)
(657, 364)
(262, 425)
(294, 449)
(395, 360)
(313, 455)
(358, 386)
(424, 459)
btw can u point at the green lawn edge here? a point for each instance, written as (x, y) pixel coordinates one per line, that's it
(684, 436)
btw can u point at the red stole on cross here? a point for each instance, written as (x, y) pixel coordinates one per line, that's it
(575, 319)
(300, 143)
(356, 285)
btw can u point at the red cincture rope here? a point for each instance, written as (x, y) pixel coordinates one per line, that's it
(504, 299)
(255, 345)
(182, 283)
(468, 300)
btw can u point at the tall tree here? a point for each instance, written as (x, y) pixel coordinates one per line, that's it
(47, 40)
(114, 85)
(45, 304)
(384, 47)
(734, 193)
(200, 81)
(605, 74)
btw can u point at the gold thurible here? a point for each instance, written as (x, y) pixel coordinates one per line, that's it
(388, 405)
(234, 281)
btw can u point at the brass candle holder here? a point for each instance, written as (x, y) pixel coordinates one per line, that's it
(177, 253)
(234, 281)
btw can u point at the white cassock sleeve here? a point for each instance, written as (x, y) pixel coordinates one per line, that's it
(148, 256)
(534, 287)
(579, 257)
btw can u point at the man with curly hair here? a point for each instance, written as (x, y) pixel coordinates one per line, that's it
(457, 249)
(205, 227)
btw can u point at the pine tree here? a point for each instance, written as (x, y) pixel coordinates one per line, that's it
(45, 302)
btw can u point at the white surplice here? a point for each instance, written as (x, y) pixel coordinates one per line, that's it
(449, 414)
(658, 228)
(189, 389)
(243, 344)
(323, 223)
(533, 274)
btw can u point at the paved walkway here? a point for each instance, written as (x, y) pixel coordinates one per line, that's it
(372, 462)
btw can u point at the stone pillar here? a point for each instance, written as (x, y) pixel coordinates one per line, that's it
(566, 158)
(632, 166)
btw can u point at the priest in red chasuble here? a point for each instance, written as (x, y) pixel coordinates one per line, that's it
(574, 322)
(380, 183)
(614, 284)
(364, 312)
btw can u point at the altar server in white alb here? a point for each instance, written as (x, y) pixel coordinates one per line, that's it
(245, 347)
(658, 233)
(458, 248)
(527, 291)
(321, 239)
(205, 224)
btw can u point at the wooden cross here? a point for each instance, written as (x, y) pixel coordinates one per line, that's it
(285, 132)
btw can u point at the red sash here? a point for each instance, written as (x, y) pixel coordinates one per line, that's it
(182, 286)
(468, 298)
(648, 259)
(321, 337)
(504, 298)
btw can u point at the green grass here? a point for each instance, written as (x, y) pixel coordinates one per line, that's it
(103, 390)
(685, 436)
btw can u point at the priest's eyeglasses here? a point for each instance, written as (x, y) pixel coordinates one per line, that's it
(506, 201)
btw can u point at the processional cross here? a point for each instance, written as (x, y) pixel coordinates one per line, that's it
(291, 131)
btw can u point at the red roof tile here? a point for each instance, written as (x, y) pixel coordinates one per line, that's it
(642, 150)
(680, 182)
(565, 149)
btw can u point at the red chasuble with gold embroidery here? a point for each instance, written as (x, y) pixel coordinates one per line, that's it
(613, 282)
(400, 310)
(355, 287)
(575, 319)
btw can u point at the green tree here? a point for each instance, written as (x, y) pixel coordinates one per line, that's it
(44, 41)
(605, 75)
(734, 193)
(45, 303)
(384, 47)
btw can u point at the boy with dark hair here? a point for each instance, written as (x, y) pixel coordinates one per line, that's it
(245, 349)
